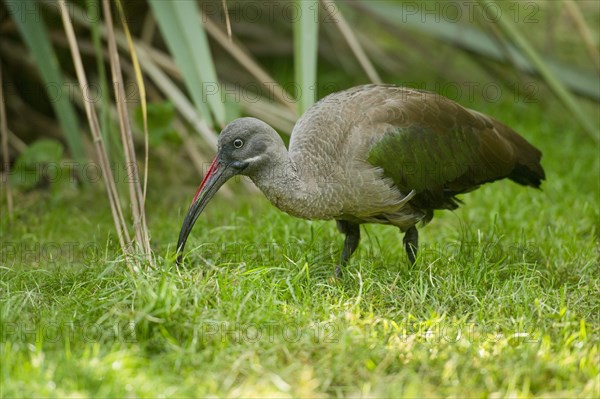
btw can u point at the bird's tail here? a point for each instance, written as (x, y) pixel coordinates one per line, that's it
(528, 170)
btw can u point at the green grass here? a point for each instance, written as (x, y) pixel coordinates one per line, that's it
(503, 302)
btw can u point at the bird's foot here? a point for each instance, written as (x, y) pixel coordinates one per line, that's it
(338, 272)
(352, 232)
(411, 253)
(411, 243)
(335, 277)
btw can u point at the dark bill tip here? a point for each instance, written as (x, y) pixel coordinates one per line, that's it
(215, 177)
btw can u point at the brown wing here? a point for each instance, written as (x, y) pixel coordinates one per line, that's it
(440, 149)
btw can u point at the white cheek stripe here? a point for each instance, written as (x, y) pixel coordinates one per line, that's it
(254, 159)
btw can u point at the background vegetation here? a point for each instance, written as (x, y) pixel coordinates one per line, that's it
(502, 302)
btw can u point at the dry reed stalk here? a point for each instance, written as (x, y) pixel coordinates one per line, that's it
(357, 50)
(4, 134)
(135, 190)
(92, 117)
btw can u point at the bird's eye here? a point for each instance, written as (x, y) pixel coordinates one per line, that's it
(238, 143)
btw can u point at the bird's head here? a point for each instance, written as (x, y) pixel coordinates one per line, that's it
(244, 147)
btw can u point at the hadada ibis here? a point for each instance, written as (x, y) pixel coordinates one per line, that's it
(370, 154)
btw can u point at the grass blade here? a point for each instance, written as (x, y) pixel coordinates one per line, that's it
(555, 84)
(112, 145)
(178, 23)
(584, 31)
(227, 21)
(239, 53)
(306, 35)
(173, 93)
(35, 34)
(139, 78)
(151, 62)
(580, 81)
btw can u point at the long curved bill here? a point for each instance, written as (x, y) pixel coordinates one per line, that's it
(216, 175)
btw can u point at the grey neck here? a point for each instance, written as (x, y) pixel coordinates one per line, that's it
(281, 182)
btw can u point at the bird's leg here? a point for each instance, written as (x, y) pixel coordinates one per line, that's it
(411, 243)
(352, 232)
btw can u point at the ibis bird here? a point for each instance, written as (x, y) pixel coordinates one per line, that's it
(370, 154)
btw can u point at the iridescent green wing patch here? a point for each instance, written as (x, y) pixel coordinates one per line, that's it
(420, 159)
